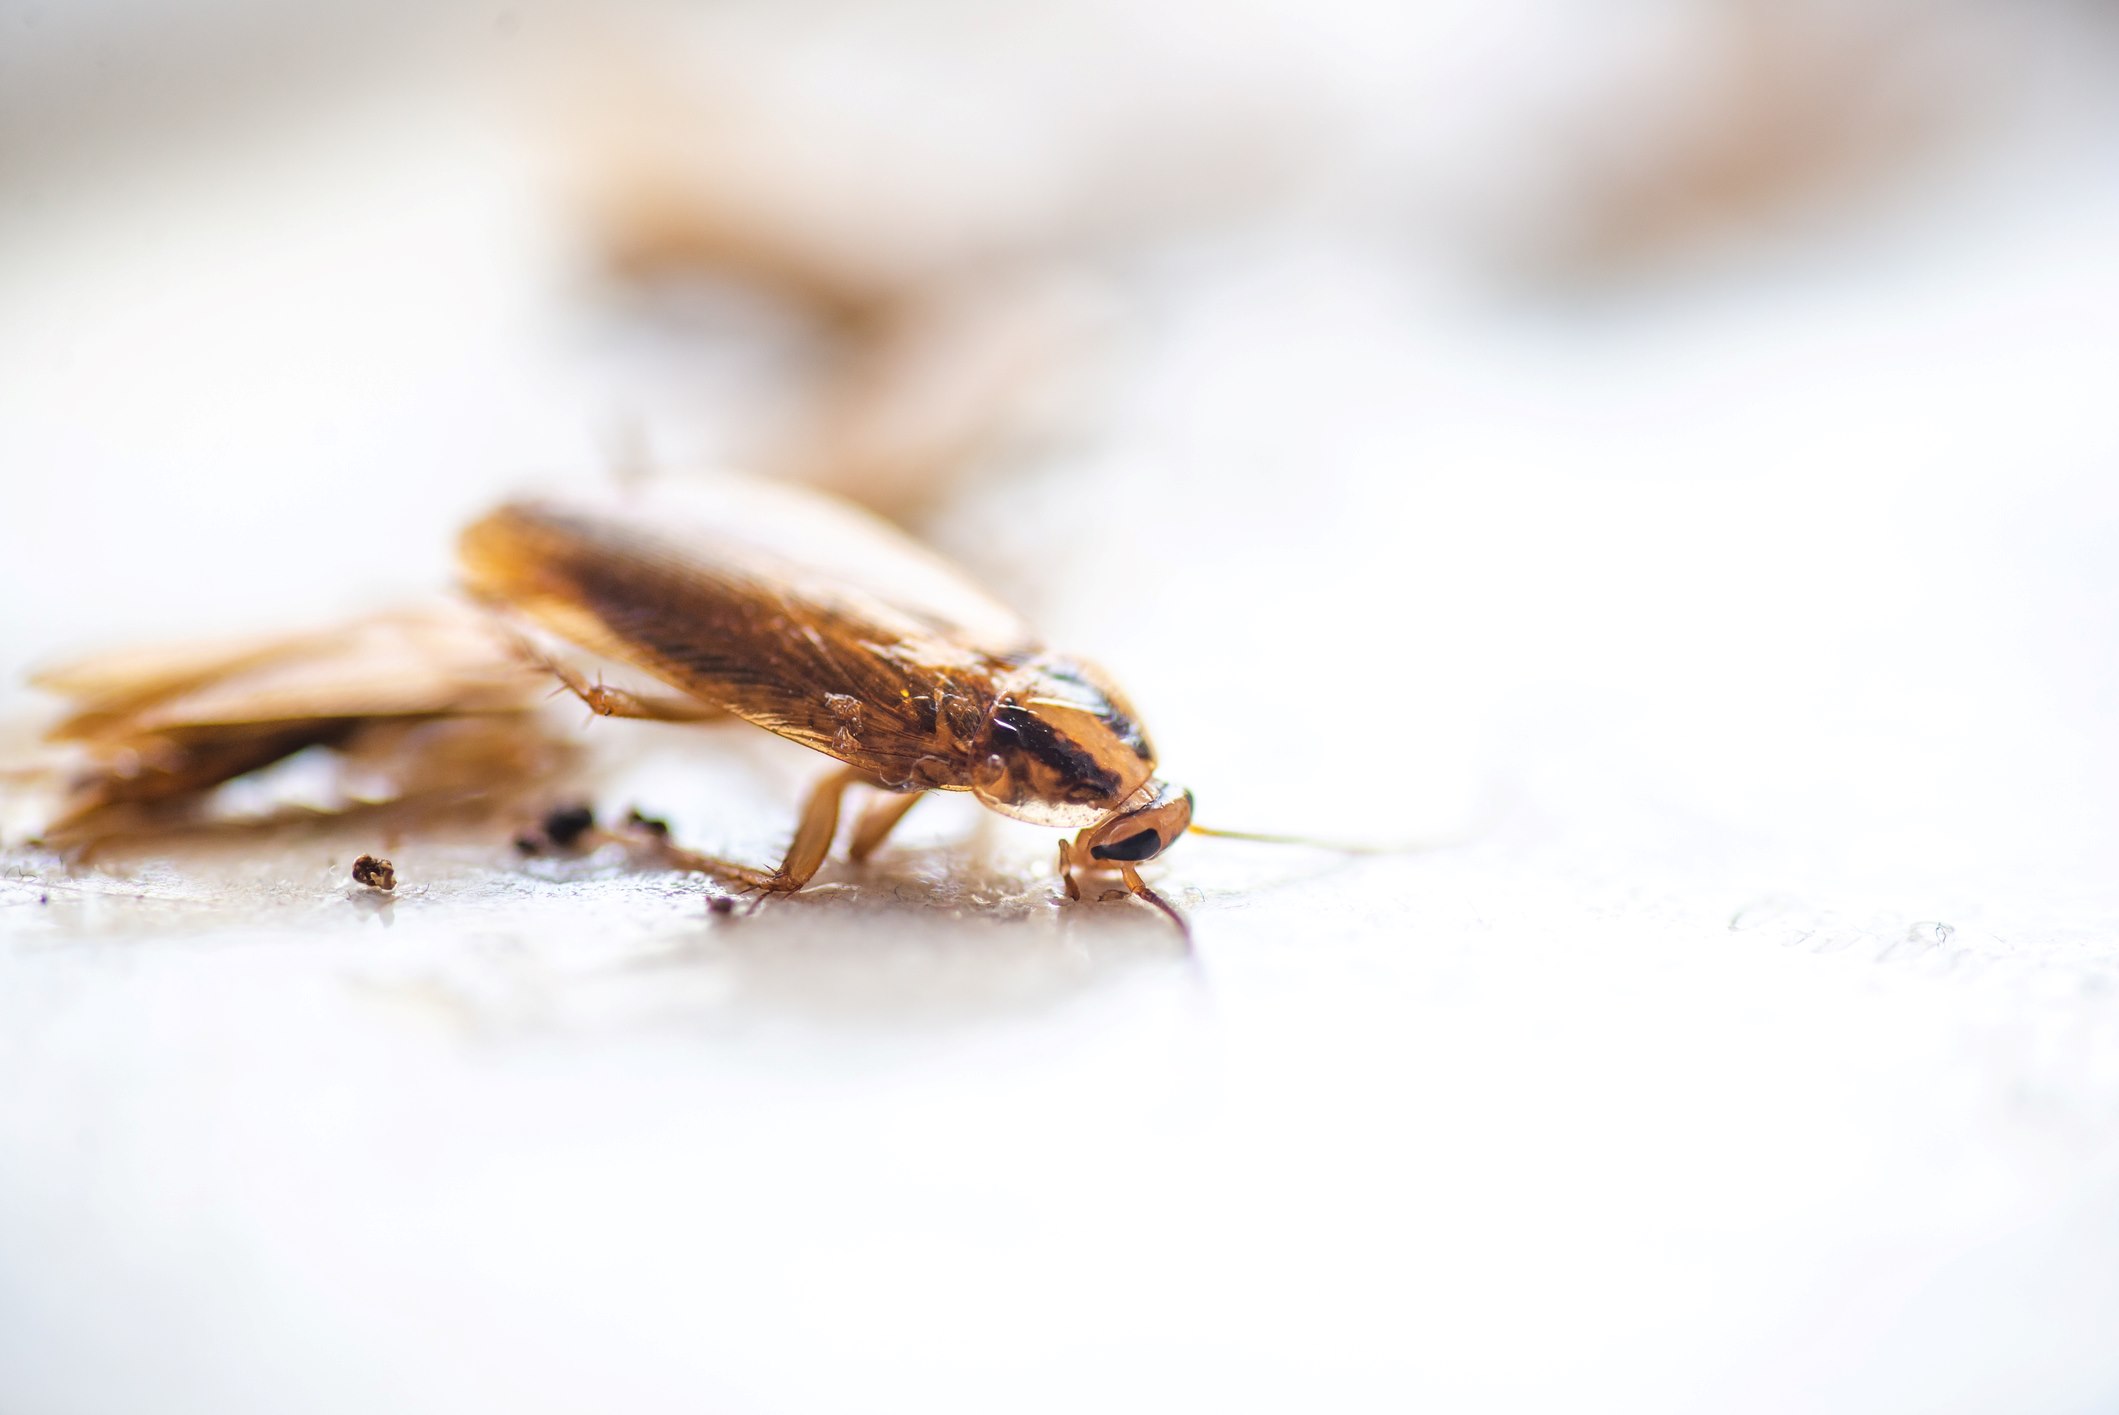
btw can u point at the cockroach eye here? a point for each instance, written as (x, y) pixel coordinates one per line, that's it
(1143, 845)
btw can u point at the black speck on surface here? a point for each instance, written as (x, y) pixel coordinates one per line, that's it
(565, 825)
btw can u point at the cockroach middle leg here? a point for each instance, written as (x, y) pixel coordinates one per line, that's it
(813, 835)
(878, 821)
(812, 842)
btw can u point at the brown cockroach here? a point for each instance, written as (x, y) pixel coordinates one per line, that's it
(824, 625)
(782, 607)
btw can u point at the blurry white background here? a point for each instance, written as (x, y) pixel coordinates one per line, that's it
(1667, 451)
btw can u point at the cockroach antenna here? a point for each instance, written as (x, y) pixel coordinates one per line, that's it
(1337, 847)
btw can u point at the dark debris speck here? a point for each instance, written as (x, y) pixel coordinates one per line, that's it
(565, 825)
(374, 872)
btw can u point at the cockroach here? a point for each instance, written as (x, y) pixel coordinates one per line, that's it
(824, 625)
(429, 699)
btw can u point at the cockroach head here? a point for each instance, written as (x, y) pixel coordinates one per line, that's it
(1143, 827)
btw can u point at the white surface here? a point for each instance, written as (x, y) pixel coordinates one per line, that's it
(1759, 1052)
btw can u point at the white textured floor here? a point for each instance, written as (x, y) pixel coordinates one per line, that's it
(1756, 1049)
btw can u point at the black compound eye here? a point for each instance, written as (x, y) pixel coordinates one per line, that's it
(1144, 845)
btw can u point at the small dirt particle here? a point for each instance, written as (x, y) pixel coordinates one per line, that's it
(374, 872)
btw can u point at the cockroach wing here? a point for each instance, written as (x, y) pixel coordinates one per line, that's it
(791, 610)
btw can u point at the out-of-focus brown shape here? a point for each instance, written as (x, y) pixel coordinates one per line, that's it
(936, 383)
(944, 284)
(427, 705)
(1772, 109)
(715, 171)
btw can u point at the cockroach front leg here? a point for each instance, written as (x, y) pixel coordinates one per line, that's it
(1066, 869)
(1139, 887)
(1135, 885)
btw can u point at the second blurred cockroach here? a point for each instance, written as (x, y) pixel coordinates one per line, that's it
(823, 625)
(416, 704)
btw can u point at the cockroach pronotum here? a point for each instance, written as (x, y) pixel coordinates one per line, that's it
(823, 625)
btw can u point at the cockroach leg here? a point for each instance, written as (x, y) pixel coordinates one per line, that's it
(1139, 887)
(743, 877)
(812, 842)
(1135, 885)
(606, 701)
(878, 821)
(1066, 869)
(813, 834)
